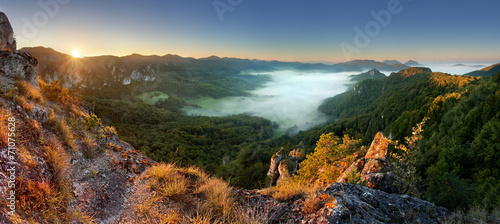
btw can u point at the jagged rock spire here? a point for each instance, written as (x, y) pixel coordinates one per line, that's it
(7, 40)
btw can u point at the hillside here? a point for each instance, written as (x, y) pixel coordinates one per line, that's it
(133, 75)
(456, 155)
(372, 74)
(490, 71)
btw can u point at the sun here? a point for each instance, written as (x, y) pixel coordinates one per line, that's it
(76, 54)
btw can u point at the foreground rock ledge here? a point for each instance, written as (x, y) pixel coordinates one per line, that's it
(346, 203)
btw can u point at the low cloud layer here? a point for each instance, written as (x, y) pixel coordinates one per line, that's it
(290, 99)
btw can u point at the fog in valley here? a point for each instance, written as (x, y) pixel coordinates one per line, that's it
(455, 68)
(290, 99)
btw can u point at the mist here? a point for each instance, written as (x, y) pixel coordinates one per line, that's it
(456, 68)
(290, 99)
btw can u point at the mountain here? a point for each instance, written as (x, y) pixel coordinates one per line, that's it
(119, 76)
(490, 71)
(372, 74)
(412, 63)
(392, 62)
(369, 64)
(279, 65)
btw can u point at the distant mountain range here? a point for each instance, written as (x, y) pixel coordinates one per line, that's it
(369, 64)
(101, 71)
(488, 71)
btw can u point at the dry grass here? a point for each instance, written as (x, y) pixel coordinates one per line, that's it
(64, 130)
(254, 215)
(49, 199)
(150, 213)
(167, 181)
(89, 145)
(58, 161)
(218, 197)
(4, 129)
(311, 204)
(26, 157)
(203, 199)
(29, 91)
(291, 189)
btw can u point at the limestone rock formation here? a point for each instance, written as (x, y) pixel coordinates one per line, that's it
(279, 170)
(16, 66)
(375, 167)
(344, 203)
(7, 41)
(274, 167)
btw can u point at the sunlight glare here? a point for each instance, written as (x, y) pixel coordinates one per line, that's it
(76, 54)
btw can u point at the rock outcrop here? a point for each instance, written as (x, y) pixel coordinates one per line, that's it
(15, 66)
(414, 70)
(279, 170)
(7, 41)
(274, 171)
(375, 168)
(344, 203)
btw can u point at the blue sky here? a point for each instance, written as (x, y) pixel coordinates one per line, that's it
(292, 30)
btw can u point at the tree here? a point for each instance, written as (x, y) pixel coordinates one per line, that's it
(329, 159)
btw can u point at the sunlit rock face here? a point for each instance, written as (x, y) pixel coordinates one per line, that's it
(14, 65)
(7, 41)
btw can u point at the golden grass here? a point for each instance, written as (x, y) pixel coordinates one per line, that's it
(64, 130)
(291, 189)
(167, 180)
(4, 129)
(58, 161)
(184, 185)
(148, 212)
(89, 145)
(218, 197)
(29, 91)
(311, 204)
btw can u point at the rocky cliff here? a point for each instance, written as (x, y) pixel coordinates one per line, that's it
(7, 41)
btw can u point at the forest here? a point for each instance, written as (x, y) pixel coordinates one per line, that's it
(459, 151)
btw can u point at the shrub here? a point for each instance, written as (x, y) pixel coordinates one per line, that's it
(92, 121)
(55, 92)
(329, 159)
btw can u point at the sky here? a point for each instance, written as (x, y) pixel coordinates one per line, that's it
(286, 30)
